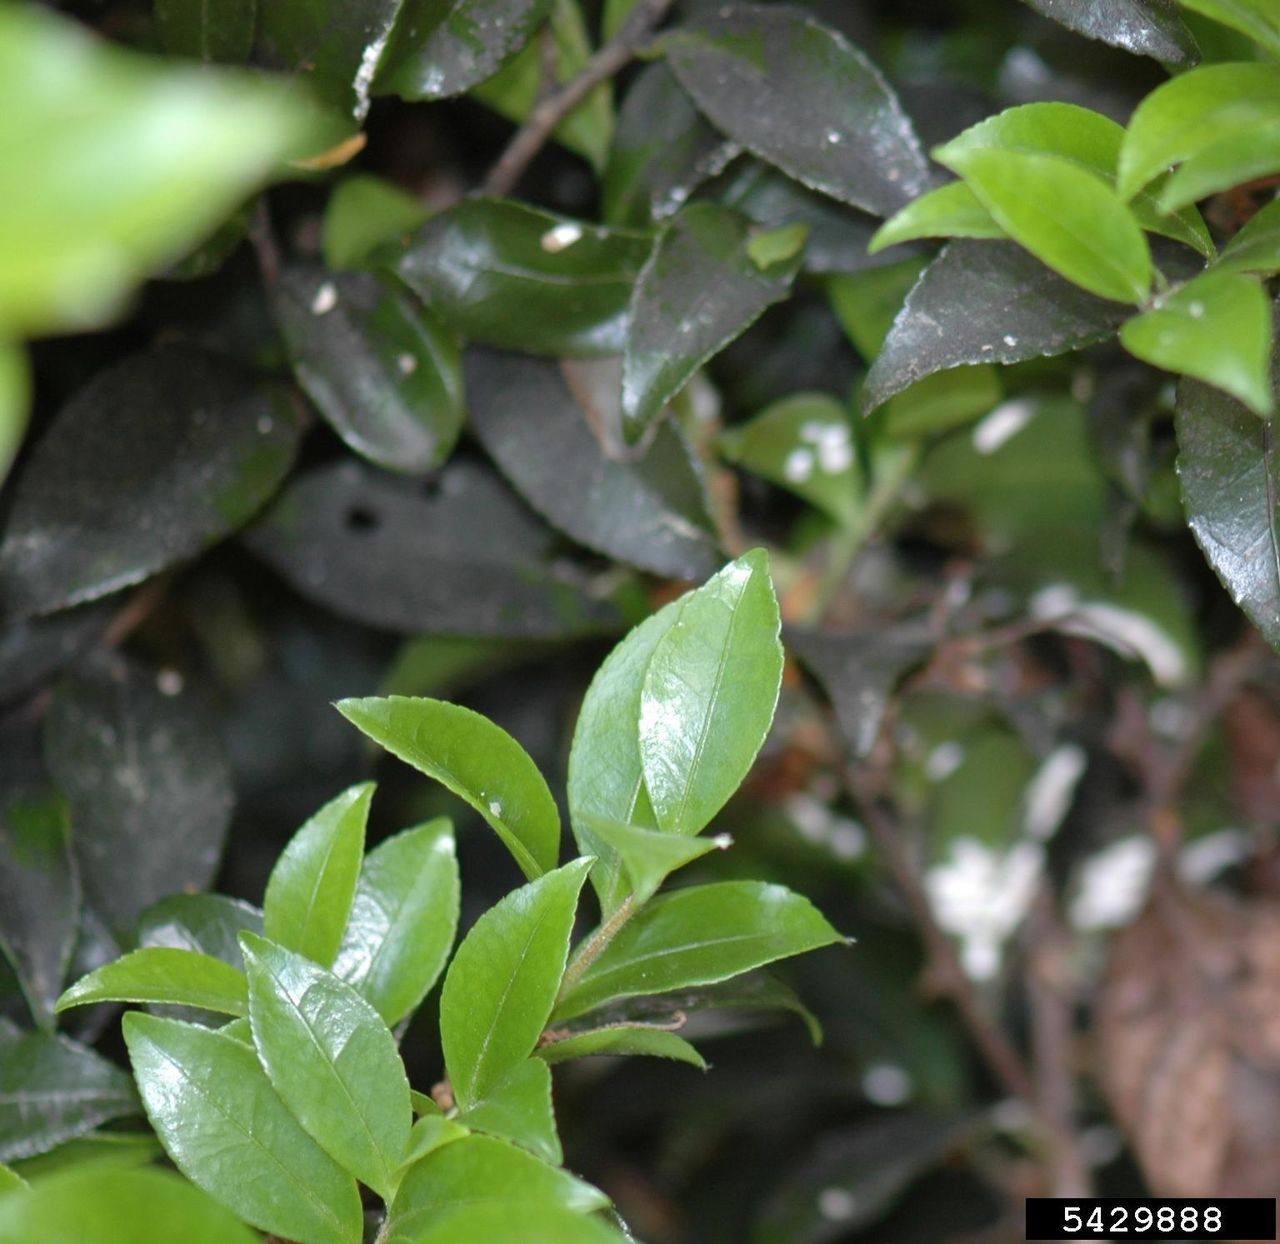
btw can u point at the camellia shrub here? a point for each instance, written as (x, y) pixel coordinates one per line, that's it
(421, 357)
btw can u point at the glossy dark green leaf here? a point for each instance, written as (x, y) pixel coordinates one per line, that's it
(662, 151)
(509, 275)
(313, 883)
(519, 1109)
(53, 1089)
(648, 856)
(1229, 467)
(465, 558)
(134, 762)
(221, 1122)
(208, 923)
(709, 693)
(1259, 19)
(209, 30)
(984, 302)
(444, 49)
(162, 974)
(39, 894)
(364, 212)
(403, 919)
(1144, 27)
(514, 1220)
(1191, 114)
(698, 936)
(336, 45)
(332, 1060)
(548, 428)
(503, 981)
(106, 1149)
(622, 1039)
(477, 760)
(798, 94)
(698, 291)
(476, 1169)
(111, 1206)
(37, 648)
(152, 461)
(1256, 248)
(1066, 216)
(384, 372)
(1216, 328)
(950, 211)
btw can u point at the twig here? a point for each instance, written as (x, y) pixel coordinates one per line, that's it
(594, 946)
(263, 239)
(530, 138)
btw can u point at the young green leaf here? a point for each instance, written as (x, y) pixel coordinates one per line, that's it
(332, 1060)
(503, 981)
(11, 1181)
(1066, 216)
(950, 211)
(709, 693)
(540, 1222)
(648, 856)
(96, 1205)
(1191, 114)
(941, 402)
(508, 275)
(380, 368)
(221, 1122)
(622, 1039)
(1259, 19)
(798, 94)
(519, 1109)
(430, 1132)
(477, 760)
(700, 289)
(698, 936)
(1216, 328)
(1256, 248)
(313, 883)
(362, 213)
(482, 1168)
(53, 1089)
(403, 920)
(163, 975)
(1248, 155)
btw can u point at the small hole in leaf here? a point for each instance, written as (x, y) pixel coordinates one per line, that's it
(361, 518)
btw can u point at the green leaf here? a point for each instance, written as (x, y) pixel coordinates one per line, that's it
(771, 247)
(208, 923)
(313, 883)
(503, 981)
(439, 50)
(622, 1039)
(15, 402)
(160, 974)
(116, 1150)
(209, 30)
(649, 856)
(553, 428)
(112, 1206)
(513, 1220)
(950, 211)
(984, 302)
(798, 94)
(1229, 468)
(11, 1181)
(39, 894)
(1064, 215)
(709, 693)
(53, 1089)
(332, 1060)
(868, 301)
(941, 402)
(1216, 328)
(476, 1169)
(477, 760)
(430, 1132)
(1193, 113)
(699, 290)
(126, 799)
(403, 919)
(384, 372)
(803, 443)
(1144, 27)
(1256, 248)
(519, 1109)
(698, 936)
(508, 275)
(1259, 19)
(362, 213)
(221, 1122)
(515, 89)
(148, 464)
(107, 195)
(1248, 155)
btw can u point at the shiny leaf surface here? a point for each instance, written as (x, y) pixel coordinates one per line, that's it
(622, 1039)
(519, 1109)
(161, 974)
(1144, 27)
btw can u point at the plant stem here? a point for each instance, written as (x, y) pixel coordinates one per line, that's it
(594, 946)
(532, 136)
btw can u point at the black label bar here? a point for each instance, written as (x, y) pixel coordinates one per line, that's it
(1151, 1218)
